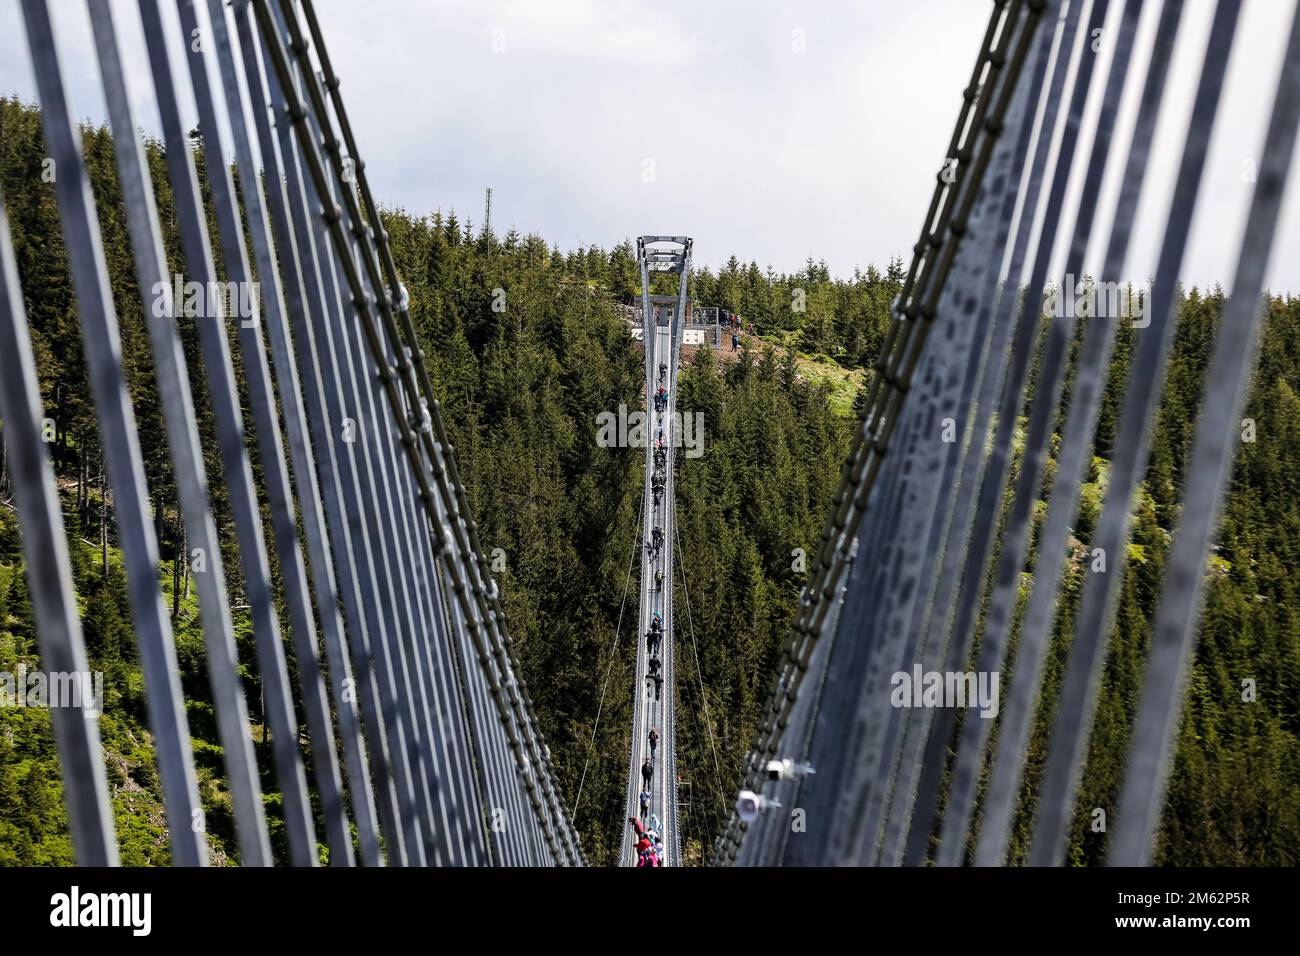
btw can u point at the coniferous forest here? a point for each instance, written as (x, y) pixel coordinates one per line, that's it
(521, 387)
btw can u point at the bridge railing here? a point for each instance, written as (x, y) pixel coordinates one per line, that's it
(920, 555)
(379, 556)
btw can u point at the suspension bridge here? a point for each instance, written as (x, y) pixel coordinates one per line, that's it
(423, 745)
(654, 769)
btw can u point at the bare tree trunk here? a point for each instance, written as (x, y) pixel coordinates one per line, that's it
(82, 491)
(103, 514)
(58, 427)
(266, 728)
(177, 559)
(4, 467)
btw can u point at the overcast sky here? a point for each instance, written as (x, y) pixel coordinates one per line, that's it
(770, 130)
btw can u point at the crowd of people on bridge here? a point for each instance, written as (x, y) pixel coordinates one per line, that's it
(649, 844)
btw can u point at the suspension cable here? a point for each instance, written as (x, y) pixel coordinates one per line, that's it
(699, 676)
(618, 629)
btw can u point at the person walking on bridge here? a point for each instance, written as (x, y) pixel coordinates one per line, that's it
(645, 802)
(648, 771)
(654, 741)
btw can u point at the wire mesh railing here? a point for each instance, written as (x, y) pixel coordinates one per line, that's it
(421, 741)
(920, 568)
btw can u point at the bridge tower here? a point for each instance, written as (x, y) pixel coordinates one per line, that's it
(652, 702)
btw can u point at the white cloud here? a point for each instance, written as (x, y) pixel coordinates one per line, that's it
(761, 149)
